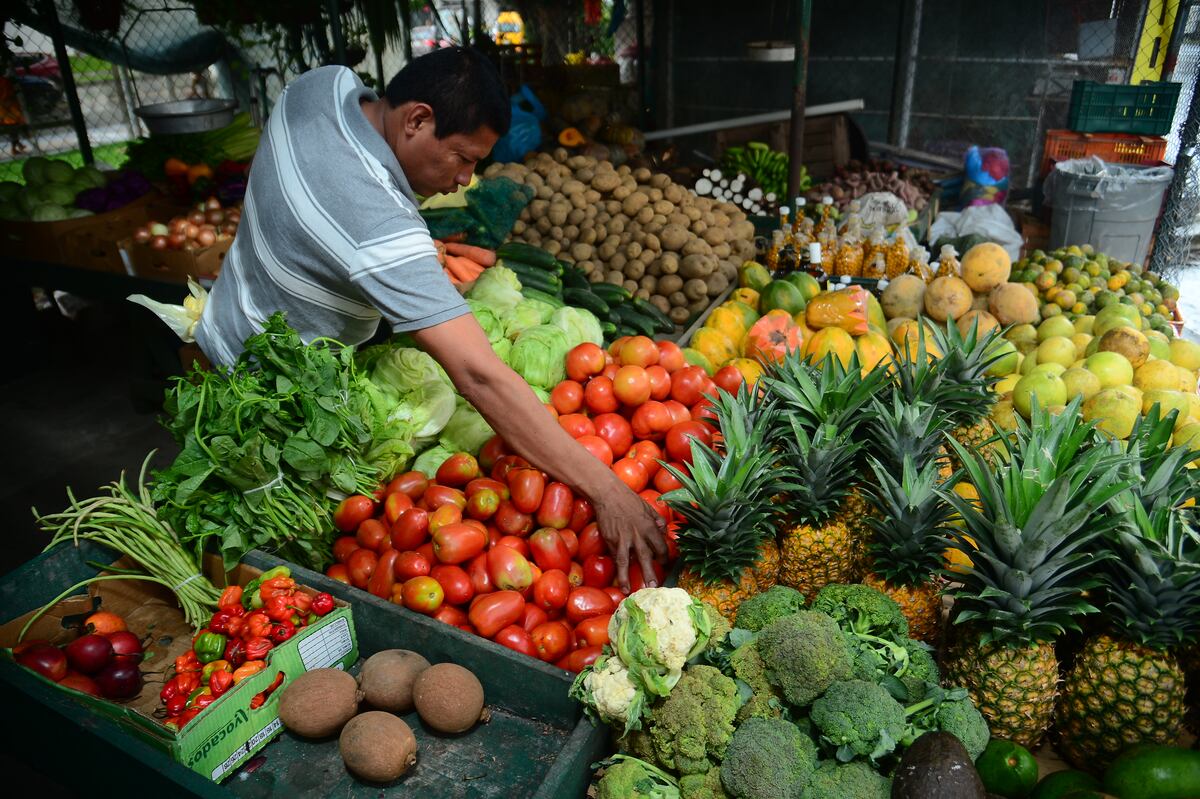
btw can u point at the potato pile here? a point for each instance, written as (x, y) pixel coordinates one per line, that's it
(632, 228)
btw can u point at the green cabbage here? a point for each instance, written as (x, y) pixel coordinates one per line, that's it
(9, 189)
(497, 288)
(502, 348)
(428, 461)
(422, 393)
(538, 355)
(488, 320)
(541, 393)
(34, 170)
(580, 325)
(528, 313)
(48, 213)
(467, 430)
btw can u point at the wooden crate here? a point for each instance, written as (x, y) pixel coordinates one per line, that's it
(89, 242)
(826, 141)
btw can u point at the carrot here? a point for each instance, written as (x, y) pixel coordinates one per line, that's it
(479, 255)
(454, 280)
(441, 251)
(465, 268)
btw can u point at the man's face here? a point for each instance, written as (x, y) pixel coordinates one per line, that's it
(433, 165)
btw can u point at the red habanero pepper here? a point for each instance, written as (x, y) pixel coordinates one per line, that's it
(220, 622)
(247, 669)
(300, 602)
(187, 662)
(281, 631)
(276, 586)
(277, 607)
(230, 597)
(219, 682)
(204, 700)
(235, 626)
(211, 666)
(297, 621)
(186, 716)
(257, 648)
(257, 624)
(186, 683)
(176, 705)
(235, 652)
(258, 700)
(322, 603)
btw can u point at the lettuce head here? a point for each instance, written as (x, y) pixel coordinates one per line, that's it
(538, 355)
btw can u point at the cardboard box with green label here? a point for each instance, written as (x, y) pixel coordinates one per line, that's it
(229, 731)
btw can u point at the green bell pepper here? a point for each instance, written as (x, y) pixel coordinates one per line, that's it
(209, 647)
(250, 598)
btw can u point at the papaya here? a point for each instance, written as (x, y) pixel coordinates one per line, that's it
(807, 284)
(748, 314)
(781, 295)
(844, 308)
(747, 297)
(772, 338)
(697, 358)
(729, 322)
(875, 317)
(571, 137)
(753, 275)
(714, 345)
(751, 370)
(830, 340)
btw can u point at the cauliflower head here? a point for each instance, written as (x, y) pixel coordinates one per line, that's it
(607, 690)
(655, 631)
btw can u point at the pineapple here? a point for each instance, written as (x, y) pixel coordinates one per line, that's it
(1127, 685)
(821, 406)
(1034, 528)
(964, 388)
(911, 529)
(726, 507)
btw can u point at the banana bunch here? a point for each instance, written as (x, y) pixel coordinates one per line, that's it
(766, 167)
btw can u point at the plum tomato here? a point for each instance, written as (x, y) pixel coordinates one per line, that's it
(570, 539)
(593, 631)
(455, 583)
(437, 496)
(411, 564)
(353, 511)
(411, 529)
(423, 595)
(598, 447)
(491, 452)
(582, 514)
(591, 542)
(511, 521)
(551, 590)
(493, 612)
(585, 602)
(516, 639)
(394, 504)
(374, 534)
(360, 565)
(344, 547)
(549, 550)
(527, 487)
(599, 571)
(551, 640)
(455, 543)
(555, 510)
(533, 616)
(383, 578)
(446, 514)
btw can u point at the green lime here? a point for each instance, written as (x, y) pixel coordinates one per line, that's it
(1060, 783)
(1007, 769)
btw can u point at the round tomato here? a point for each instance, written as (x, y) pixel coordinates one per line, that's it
(411, 529)
(360, 565)
(338, 572)
(660, 382)
(615, 431)
(679, 439)
(728, 378)
(584, 361)
(527, 487)
(455, 583)
(511, 521)
(615, 347)
(551, 640)
(651, 420)
(654, 499)
(411, 483)
(585, 602)
(516, 639)
(664, 481)
(550, 409)
(679, 411)
(591, 543)
(577, 425)
(648, 453)
(422, 594)
(599, 396)
(631, 386)
(632, 473)
(597, 446)
(493, 612)
(567, 397)
(638, 351)
(593, 631)
(492, 451)
(409, 565)
(670, 356)
(353, 511)
(703, 411)
(687, 385)
(372, 534)
(599, 571)
(551, 590)
(343, 547)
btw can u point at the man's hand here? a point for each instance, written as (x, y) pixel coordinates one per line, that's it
(627, 522)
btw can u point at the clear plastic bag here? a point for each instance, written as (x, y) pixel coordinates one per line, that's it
(182, 319)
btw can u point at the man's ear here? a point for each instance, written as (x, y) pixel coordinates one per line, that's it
(419, 117)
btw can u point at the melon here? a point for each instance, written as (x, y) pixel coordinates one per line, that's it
(1013, 304)
(830, 340)
(986, 266)
(947, 298)
(982, 321)
(1113, 410)
(1156, 374)
(903, 297)
(1127, 342)
(873, 349)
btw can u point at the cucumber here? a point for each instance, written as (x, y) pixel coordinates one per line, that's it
(582, 298)
(540, 281)
(612, 294)
(527, 253)
(626, 330)
(609, 330)
(575, 278)
(630, 317)
(1154, 772)
(514, 264)
(549, 299)
(662, 323)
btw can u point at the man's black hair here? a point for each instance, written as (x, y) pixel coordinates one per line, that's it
(462, 87)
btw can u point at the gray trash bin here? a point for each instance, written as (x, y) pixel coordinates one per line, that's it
(1112, 207)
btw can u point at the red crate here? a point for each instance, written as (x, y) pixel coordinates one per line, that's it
(1121, 148)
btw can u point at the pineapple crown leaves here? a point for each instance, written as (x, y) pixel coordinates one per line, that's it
(1037, 516)
(827, 393)
(822, 463)
(1160, 471)
(1153, 578)
(904, 429)
(915, 374)
(961, 385)
(913, 525)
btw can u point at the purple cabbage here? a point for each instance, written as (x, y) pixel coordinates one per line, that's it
(94, 200)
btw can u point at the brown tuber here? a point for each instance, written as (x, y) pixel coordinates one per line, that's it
(449, 698)
(387, 679)
(317, 703)
(378, 747)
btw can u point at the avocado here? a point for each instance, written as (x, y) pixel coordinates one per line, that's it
(1061, 783)
(1154, 772)
(937, 766)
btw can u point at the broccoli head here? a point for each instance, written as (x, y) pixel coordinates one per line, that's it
(720, 627)
(855, 780)
(765, 700)
(702, 786)
(768, 759)
(860, 718)
(860, 609)
(688, 731)
(962, 719)
(922, 670)
(630, 778)
(804, 653)
(761, 609)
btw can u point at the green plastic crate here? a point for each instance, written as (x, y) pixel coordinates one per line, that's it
(1147, 109)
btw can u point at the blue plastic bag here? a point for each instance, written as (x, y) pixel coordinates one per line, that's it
(525, 133)
(985, 176)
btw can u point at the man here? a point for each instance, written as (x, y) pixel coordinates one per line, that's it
(330, 234)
